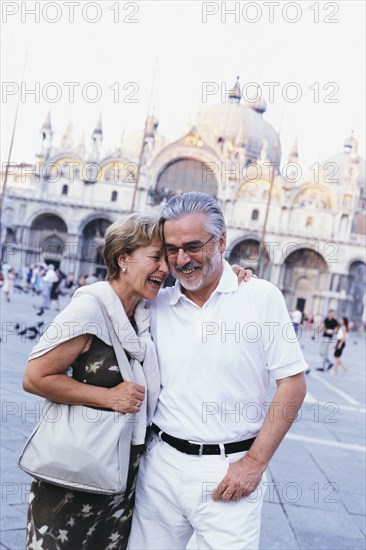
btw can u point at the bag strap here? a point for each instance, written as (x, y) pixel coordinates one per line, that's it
(122, 359)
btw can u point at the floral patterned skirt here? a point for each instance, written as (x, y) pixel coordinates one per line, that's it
(63, 519)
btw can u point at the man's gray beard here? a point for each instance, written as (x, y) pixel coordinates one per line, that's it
(185, 284)
(206, 271)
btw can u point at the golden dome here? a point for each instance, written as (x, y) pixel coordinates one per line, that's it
(227, 121)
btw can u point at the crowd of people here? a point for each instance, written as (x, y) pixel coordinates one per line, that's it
(42, 279)
(333, 332)
(330, 332)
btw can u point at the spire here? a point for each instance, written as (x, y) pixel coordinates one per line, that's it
(267, 168)
(97, 139)
(66, 142)
(352, 166)
(354, 150)
(348, 143)
(122, 141)
(46, 137)
(81, 147)
(98, 127)
(234, 94)
(47, 121)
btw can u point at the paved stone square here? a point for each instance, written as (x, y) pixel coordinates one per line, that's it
(316, 489)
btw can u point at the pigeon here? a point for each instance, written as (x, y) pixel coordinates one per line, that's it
(20, 289)
(30, 332)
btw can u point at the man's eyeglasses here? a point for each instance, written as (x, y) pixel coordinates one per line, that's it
(190, 248)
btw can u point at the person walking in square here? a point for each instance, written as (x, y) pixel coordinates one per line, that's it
(340, 345)
(329, 327)
(296, 317)
(8, 283)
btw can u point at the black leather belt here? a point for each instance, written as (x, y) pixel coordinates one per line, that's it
(196, 448)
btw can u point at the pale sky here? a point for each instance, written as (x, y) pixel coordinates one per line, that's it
(187, 52)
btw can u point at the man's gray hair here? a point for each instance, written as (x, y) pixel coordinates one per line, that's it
(192, 202)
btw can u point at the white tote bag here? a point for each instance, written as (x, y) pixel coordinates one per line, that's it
(80, 447)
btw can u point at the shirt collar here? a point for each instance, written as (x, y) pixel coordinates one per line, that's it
(228, 283)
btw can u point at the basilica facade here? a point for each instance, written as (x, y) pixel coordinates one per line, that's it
(304, 232)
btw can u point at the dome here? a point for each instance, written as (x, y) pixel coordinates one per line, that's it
(131, 146)
(228, 121)
(333, 171)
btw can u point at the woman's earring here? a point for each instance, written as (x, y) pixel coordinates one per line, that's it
(124, 269)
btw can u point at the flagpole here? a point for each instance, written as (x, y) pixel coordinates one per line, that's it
(13, 133)
(5, 181)
(143, 142)
(262, 247)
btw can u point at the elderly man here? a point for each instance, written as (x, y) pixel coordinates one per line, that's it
(213, 433)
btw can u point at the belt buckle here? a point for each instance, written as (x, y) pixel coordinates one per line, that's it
(200, 445)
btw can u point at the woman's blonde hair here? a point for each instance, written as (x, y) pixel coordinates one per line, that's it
(127, 235)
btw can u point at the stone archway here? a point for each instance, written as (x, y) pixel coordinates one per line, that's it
(91, 248)
(182, 175)
(52, 250)
(47, 239)
(246, 253)
(305, 277)
(357, 289)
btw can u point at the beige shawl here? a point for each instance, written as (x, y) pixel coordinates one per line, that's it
(84, 315)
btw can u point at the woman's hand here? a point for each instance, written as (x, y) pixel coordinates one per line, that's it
(242, 274)
(126, 397)
(46, 376)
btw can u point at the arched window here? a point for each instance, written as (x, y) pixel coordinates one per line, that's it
(343, 224)
(114, 196)
(185, 174)
(255, 214)
(65, 189)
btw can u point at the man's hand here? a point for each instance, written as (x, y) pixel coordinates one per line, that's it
(242, 478)
(242, 274)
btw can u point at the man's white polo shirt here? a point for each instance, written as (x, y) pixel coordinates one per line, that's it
(216, 360)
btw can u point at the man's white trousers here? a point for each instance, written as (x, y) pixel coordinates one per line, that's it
(174, 499)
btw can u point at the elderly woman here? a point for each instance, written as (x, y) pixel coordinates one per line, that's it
(61, 518)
